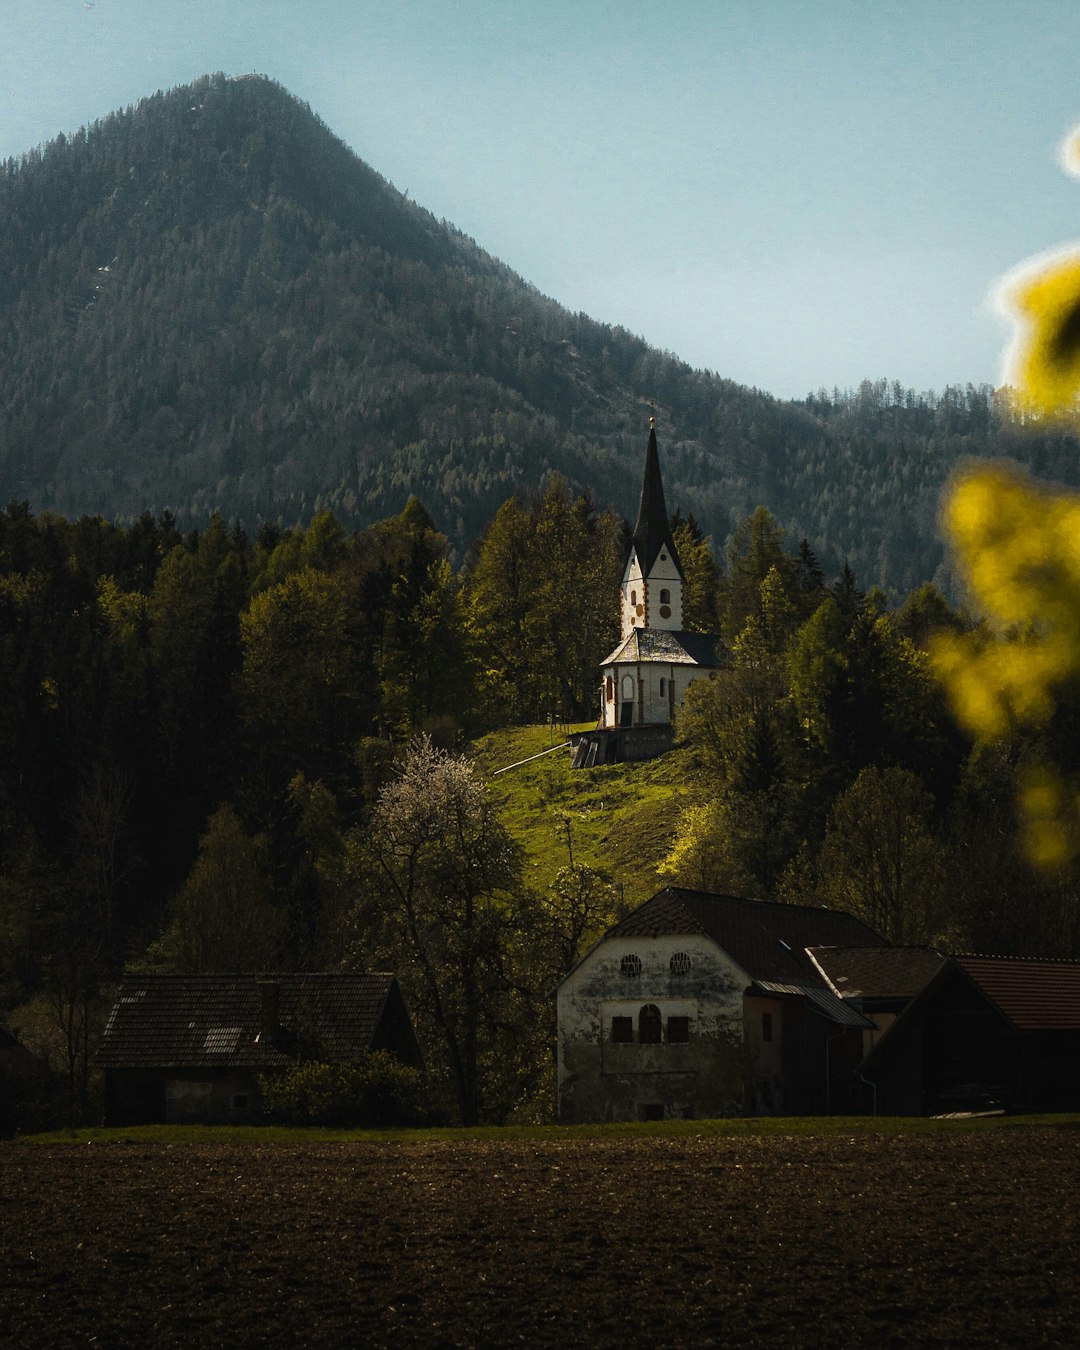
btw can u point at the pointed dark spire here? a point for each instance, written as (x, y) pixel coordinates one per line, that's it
(652, 531)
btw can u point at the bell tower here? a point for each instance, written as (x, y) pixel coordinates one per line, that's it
(653, 580)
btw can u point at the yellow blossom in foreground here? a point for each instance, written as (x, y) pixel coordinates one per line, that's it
(1019, 546)
(1045, 364)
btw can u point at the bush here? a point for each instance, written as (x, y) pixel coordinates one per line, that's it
(380, 1090)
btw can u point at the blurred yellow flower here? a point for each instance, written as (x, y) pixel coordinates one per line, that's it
(1018, 545)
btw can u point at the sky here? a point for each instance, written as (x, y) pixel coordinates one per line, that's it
(794, 193)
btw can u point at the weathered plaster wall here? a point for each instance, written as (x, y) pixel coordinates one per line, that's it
(600, 1079)
(658, 704)
(176, 1096)
(230, 1096)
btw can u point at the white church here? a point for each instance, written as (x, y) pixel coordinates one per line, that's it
(644, 679)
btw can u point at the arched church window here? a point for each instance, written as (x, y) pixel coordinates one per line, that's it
(633, 597)
(648, 1024)
(665, 597)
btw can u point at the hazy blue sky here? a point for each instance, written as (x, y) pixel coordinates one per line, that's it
(791, 192)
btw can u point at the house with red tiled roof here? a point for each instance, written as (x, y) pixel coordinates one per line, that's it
(192, 1048)
(704, 1005)
(986, 1032)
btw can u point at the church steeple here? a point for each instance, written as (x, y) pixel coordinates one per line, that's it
(652, 532)
(653, 581)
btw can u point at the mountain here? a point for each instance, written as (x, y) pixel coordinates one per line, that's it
(210, 303)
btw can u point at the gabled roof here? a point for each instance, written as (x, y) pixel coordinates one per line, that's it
(661, 644)
(767, 939)
(652, 531)
(203, 1021)
(1035, 995)
(877, 972)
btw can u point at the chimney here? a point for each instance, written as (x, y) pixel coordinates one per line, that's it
(269, 1010)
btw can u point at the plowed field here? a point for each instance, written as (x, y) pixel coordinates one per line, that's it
(950, 1240)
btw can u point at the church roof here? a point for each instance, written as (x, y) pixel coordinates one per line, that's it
(670, 648)
(652, 531)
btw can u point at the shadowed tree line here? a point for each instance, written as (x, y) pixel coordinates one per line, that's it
(197, 728)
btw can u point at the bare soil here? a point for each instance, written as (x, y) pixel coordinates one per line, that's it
(940, 1240)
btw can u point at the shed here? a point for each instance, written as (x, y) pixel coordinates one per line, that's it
(987, 1032)
(26, 1086)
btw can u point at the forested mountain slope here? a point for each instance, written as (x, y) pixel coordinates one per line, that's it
(210, 303)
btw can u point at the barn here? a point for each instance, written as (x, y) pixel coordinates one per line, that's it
(191, 1048)
(987, 1033)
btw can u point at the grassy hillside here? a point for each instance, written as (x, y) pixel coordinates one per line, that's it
(621, 817)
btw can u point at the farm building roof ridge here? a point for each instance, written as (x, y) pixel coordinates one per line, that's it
(263, 1019)
(766, 937)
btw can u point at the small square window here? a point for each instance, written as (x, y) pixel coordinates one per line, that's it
(622, 1030)
(630, 966)
(766, 1026)
(678, 1030)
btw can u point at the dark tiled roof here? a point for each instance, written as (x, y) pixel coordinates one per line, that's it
(767, 939)
(199, 1021)
(878, 972)
(652, 531)
(662, 644)
(1034, 995)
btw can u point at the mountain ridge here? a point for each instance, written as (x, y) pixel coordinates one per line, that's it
(215, 305)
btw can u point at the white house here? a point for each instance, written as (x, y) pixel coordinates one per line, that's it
(701, 1005)
(644, 679)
